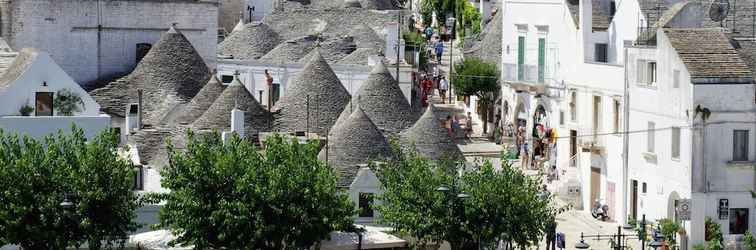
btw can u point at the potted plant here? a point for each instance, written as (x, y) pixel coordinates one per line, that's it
(26, 110)
(67, 102)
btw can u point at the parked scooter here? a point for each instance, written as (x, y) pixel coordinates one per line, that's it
(600, 211)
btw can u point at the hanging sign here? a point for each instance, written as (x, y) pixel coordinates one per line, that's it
(724, 209)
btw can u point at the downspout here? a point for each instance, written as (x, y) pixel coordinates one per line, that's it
(625, 145)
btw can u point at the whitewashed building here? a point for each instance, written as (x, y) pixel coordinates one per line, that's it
(30, 83)
(692, 95)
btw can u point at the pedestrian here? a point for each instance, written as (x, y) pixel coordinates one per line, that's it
(443, 85)
(269, 80)
(439, 51)
(468, 126)
(428, 33)
(524, 155)
(455, 125)
(551, 235)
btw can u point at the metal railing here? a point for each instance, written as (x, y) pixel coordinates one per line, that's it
(527, 73)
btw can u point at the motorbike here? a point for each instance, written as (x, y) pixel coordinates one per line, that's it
(600, 211)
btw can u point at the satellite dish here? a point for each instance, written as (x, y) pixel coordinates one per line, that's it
(718, 10)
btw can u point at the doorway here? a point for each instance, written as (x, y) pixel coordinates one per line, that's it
(573, 148)
(595, 183)
(43, 103)
(634, 199)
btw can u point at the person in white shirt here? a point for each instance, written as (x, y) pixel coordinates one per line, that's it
(443, 86)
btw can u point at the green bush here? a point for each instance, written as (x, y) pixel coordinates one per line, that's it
(748, 241)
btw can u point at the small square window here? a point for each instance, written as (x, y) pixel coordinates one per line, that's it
(602, 50)
(227, 79)
(366, 205)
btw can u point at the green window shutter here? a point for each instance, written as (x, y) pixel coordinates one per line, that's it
(541, 59)
(520, 57)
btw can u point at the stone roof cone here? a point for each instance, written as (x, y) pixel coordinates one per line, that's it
(171, 73)
(384, 102)
(355, 142)
(202, 101)
(218, 116)
(249, 41)
(292, 50)
(430, 138)
(365, 37)
(327, 99)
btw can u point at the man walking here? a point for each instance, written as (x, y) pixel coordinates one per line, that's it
(439, 51)
(428, 33)
(551, 235)
(269, 80)
(443, 85)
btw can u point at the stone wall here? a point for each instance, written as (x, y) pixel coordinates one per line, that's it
(228, 15)
(68, 31)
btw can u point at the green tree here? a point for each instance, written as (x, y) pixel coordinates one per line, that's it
(502, 204)
(37, 175)
(475, 77)
(233, 196)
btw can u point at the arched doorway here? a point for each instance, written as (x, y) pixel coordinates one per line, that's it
(672, 202)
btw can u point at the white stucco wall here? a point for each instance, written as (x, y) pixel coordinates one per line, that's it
(67, 29)
(41, 126)
(42, 70)
(365, 182)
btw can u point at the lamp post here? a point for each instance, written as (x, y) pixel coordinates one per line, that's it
(68, 205)
(619, 237)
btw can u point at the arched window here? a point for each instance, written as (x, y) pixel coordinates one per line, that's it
(141, 51)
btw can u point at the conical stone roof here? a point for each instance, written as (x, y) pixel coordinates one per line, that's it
(317, 85)
(291, 50)
(202, 101)
(249, 41)
(170, 74)
(357, 141)
(344, 116)
(430, 138)
(360, 56)
(383, 101)
(365, 37)
(333, 49)
(218, 116)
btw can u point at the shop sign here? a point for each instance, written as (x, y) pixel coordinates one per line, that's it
(724, 209)
(683, 209)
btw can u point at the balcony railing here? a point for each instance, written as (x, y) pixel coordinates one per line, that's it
(526, 73)
(589, 137)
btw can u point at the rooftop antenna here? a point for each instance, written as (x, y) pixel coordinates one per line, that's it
(718, 11)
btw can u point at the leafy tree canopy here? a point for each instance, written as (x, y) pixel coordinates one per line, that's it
(502, 204)
(475, 77)
(233, 196)
(37, 175)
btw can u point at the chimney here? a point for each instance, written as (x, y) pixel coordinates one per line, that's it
(140, 93)
(237, 122)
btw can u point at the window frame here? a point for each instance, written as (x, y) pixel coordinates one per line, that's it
(36, 103)
(224, 77)
(733, 214)
(365, 210)
(745, 156)
(597, 49)
(675, 136)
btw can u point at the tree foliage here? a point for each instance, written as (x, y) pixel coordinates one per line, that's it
(232, 196)
(475, 77)
(38, 174)
(503, 204)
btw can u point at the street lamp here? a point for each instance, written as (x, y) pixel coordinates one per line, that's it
(67, 203)
(582, 244)
(442, 189)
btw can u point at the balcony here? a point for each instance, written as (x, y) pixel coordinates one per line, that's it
(589, 137)
(528, 76)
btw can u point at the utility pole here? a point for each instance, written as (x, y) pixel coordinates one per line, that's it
(398, 40)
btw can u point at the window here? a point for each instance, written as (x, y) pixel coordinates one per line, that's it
(616, 122)
(117, 131)
(596, 114)
(227, 79)
(644, 188)
(43, 103)
(141, 51)
(541, 59)
(738, 220)
(676, 79)
(520, 58)
(646, 72)
(651, 73)
(138, 178)
(740, 145)
(676, 142)
(573, 106)
(612, 8)
(601, 52)
(365, 205)
(650, 137)
(561, 117)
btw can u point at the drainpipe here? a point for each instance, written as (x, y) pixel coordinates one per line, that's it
(625, 146)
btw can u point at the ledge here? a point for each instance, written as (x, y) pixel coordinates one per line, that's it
(650, 157)
(745, 165)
